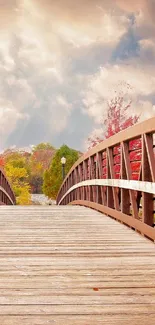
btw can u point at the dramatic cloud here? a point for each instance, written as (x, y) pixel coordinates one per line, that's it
(9, 115)
(135, 83)
(129, 81)
(57, 64)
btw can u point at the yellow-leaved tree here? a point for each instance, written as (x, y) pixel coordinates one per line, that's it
(17, 174)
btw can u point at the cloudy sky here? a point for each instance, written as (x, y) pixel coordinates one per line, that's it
(61, 60)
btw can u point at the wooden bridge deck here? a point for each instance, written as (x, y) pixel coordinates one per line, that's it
(73, 266)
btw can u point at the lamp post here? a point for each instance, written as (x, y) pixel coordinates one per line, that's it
(63, 162)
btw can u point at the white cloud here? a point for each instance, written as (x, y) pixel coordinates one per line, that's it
(109, 30)
(59, 112)
(9, 116)
(130, 81)
(40, 41)
(147, 50)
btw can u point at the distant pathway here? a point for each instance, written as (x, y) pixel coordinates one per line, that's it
(41, 199)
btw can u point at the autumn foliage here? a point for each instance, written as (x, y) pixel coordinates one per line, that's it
(2, 162)
(53, 176)
(44, 157)
(118, 119)
(40, 161)
(28, 172)
(17, 174)
(25, 170)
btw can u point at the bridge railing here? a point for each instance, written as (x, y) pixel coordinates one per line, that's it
(7, 196)
(117, 177)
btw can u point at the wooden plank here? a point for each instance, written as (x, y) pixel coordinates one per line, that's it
(73, 300)
(72, 265)
(128, 309)
(78, 320)
(121, 217)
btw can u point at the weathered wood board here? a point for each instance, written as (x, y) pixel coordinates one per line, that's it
(73, 266)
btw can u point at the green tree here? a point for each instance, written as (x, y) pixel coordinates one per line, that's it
(53, 176)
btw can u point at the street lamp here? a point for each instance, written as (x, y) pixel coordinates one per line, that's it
(63, 162)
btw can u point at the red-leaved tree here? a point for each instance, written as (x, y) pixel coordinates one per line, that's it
(43, 156)
(2, 162)
(119, 118)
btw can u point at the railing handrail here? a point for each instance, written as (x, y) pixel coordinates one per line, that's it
(105, 178)
(147, 126)
(147, 187)
(11, 197)
(4, 174)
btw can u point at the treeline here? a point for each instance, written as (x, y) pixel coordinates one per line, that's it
(37, 172)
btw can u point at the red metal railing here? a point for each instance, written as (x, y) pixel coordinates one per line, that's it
(117, 177)
(7, 196)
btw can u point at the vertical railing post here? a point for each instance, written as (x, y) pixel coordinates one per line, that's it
(76, 180)
(102, 196)
(87, 177)
(110, 199)
(125, 149)
(125, 197)
(84, 178)
(90, 177)
(148, 174)
(97, 177)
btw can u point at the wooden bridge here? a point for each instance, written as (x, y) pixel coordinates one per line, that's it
(90, 259)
